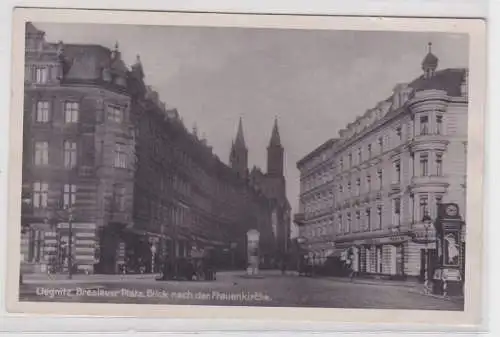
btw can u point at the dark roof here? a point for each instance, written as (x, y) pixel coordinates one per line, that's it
(449, 80)
(32, 30)
(316, 151)
(430, 60)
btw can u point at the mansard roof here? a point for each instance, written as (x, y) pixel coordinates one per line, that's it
(448, 80)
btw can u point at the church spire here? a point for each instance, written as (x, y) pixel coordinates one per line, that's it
(275, 153)
(240, 139)
(275, 136)
(239, 153)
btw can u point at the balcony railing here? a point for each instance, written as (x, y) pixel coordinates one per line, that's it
(299, 218)
(429, 180)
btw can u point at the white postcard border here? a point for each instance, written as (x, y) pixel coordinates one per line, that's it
(474, 256)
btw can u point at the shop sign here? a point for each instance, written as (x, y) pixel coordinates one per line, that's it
(378, 241)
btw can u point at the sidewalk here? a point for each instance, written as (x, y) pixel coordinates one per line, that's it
(413, 286)
(380, 282)
(91, 278)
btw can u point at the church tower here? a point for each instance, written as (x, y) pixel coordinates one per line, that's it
(275, 153)
(238, 158)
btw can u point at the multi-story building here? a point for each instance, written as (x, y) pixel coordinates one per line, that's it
(77, 151)
(185, 197)
(104, 154)
(374, 189)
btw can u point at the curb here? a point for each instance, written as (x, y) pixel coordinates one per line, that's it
(441, 297)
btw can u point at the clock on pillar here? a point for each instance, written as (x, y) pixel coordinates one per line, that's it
(448, 275)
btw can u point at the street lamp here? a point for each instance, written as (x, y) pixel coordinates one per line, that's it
(427, 224)
(300, 242)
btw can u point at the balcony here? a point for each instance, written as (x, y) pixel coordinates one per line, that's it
(429, 142)
(434, 182)
(299, 218)
(396, 187)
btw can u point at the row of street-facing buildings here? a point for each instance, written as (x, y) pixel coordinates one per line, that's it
(374, 189)
(109, 166)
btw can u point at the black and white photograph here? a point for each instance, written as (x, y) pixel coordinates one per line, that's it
(244, 166)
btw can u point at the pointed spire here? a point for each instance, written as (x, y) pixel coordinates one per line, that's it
(240, 139)
(275, 136)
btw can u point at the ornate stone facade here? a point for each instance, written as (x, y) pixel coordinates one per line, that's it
(371, 188)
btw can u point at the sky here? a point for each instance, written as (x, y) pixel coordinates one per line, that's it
(315, 82)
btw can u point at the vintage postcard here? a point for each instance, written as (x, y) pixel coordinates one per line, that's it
(250, 166)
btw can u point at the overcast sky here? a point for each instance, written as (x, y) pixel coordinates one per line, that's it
(315, 82)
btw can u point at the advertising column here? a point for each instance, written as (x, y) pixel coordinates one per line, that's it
(253, 237)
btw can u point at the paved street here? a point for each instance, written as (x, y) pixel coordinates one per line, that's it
(235, 288)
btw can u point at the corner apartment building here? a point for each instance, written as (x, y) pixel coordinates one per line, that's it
(101, 149)
(77, 151)
(370, 188)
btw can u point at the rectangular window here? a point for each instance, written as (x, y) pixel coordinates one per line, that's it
(42, 75)
(358, 186)
(40, 194)
(381, 144)
(439, 164)
(439, 200)
(358, 221)
(379, 215)
(349, 186)
(350, 159)
(360, 156)
(439, 124)
(41, 153)
(424, 202)
(424, 125)
(341, 164)
(42, 112)
(424, 164)
(399, 133)
(397, 171)
(380, 178)
(120, 156)
(368, 214)
(340, 223)
(69, 195)
(369, 150)
(397, 212)
(69, 154)
(369, 182)
(71, 110)
(114, 114)
(348, 227)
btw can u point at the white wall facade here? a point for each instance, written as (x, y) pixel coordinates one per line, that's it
(372, 186)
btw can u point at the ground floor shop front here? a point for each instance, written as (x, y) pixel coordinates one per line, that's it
(112, 249)
(395, 257)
